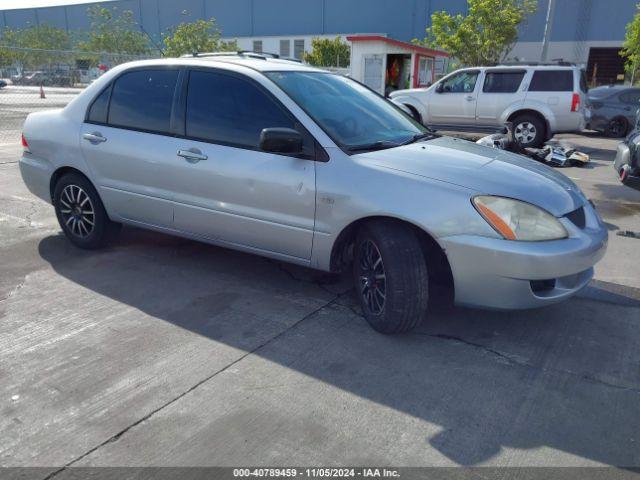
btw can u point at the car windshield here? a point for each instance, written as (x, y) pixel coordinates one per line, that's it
(355, 117)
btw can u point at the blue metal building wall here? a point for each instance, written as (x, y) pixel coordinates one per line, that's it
(583, 20)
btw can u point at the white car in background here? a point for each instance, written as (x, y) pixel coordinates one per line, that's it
(539, 100)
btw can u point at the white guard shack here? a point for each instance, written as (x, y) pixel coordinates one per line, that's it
(385, 64)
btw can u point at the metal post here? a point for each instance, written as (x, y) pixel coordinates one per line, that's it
(547, 31)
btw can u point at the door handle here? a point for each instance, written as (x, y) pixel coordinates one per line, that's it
(94, 137)
(192, 155)
(470, 98)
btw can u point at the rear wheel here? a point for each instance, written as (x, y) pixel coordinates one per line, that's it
(528, 131)
(617, 127)
(390, 274)
(81, 214)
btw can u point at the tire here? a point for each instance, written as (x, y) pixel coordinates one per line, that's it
(529, 131)
(390, 274)
(617, 128)
(77, 206)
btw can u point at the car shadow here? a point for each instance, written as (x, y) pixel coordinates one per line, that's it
(489, 380)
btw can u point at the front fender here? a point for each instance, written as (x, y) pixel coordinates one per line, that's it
(403, 100)
(383, 192)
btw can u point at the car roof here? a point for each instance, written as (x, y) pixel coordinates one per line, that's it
(523, 67)
(253, 61)
(607, 90)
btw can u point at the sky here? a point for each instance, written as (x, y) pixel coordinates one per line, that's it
(10, 4)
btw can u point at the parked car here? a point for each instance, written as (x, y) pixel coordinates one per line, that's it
(539, 100)
(613, 109)
(301, 165)
(30, 78)
(627, 161)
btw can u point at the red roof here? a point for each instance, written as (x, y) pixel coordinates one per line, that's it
(397, 43)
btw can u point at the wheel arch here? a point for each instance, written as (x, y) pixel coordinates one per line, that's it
(536, 113)
(440, 274)
(60, 172)
(413, 104)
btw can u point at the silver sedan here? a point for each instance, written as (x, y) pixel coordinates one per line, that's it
(278, 159)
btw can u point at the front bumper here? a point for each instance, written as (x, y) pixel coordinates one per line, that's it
(503, 274)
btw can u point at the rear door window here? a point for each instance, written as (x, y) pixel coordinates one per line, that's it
(552, 81)
(142, 100)
(229, 110)
(502, 82)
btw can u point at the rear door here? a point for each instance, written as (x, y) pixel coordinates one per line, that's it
(500, 90)
(232, 191)
(453, 101)
(555, 88)
(127, 142)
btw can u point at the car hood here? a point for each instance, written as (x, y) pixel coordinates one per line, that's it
(484, 170)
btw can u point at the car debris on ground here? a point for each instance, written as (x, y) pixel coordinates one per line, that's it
(551, 154)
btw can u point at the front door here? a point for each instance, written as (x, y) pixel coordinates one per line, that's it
(453, 101)
(127, 144)
(227, 189)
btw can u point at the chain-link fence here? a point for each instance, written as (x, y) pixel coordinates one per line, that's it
(32, 80)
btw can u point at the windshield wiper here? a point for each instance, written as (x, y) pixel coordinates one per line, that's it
(419, 136)
(379, 145)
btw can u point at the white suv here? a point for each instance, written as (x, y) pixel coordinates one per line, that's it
(538, 100)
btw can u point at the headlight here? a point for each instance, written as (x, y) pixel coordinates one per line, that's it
(516, 220)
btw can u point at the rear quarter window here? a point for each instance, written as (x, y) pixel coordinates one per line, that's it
(100, 107)
(552, 81)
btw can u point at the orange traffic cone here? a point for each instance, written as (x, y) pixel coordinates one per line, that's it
(42, 92)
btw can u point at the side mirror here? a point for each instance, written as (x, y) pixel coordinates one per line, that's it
(281, 140)
(439, 88)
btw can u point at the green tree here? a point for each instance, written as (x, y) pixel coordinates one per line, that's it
(484, 36)
(114, 32)
(195, 37)
(631, 46)
(326, 52)
(35, 46)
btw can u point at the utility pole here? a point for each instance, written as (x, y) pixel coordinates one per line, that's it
(547, 31)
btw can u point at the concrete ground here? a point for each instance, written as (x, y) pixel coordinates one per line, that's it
(163, 351)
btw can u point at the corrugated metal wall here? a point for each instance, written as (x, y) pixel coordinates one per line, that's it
(575, 20)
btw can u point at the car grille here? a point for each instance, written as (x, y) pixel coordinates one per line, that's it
(577, 217)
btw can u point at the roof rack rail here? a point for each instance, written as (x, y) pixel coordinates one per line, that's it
(241, 53)
(558, 63)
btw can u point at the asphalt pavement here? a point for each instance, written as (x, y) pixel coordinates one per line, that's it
(167, 352)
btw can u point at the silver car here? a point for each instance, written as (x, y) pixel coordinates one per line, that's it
(294, 163)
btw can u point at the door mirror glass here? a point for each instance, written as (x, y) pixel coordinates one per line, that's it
(281, 140)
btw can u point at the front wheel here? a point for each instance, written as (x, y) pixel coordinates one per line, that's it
(81, 214)
(390, 274)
